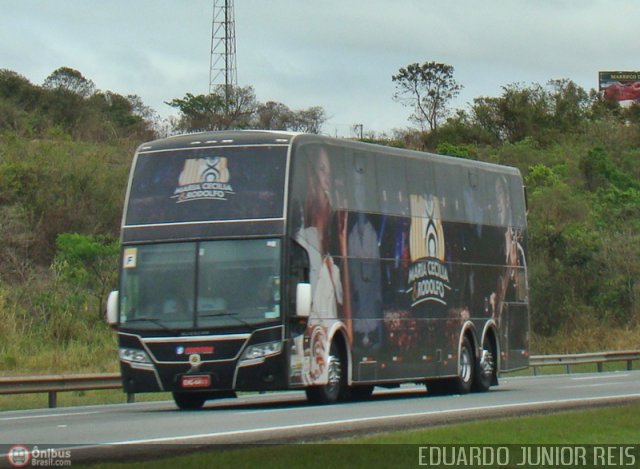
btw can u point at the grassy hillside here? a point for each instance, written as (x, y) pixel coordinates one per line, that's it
(52, 291)
(64, 160)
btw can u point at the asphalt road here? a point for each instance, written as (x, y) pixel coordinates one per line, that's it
(95, 432)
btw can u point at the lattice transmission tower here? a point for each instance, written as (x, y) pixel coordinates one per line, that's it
(222, 70)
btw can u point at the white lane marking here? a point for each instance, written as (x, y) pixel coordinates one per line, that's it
(585, 378)
(595, 385)
(176, 439)
(44, 416)
(591, 375)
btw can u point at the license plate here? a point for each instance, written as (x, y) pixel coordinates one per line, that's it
(197, 381)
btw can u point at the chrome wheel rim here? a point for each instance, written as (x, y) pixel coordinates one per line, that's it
(486, 363)
(335, 372)
(466, 366)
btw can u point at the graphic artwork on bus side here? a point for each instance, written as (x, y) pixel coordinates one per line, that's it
(265, 261)
(428, 274)
(326, 278)
(204, 178)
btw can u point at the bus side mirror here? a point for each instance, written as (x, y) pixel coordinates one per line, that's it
(112, 308)
(303, 300)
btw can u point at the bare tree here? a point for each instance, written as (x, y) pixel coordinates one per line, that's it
(273, 116)
(309, 120)
(427, 88)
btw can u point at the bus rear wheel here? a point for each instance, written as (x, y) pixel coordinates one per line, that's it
(486, 367)
(466, 366)
(462, 383)
(189, 400)
(336, 386)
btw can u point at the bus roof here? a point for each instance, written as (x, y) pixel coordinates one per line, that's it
(267, 137)
(227, 137)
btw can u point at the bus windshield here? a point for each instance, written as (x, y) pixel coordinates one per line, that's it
(200, 284)
(203, 184)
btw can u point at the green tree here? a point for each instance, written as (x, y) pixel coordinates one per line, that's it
(570, 104)
(19, 90)
(198, 112)
(427, 88)
(20, 101)
(237, 107)
(70, 80)
(89, 262)
(106, 115)
(599, 171)
(225, 108)
(520, 112)
(460, 129)
(532, 111)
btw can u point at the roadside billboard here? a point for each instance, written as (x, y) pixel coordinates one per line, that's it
(620, 86)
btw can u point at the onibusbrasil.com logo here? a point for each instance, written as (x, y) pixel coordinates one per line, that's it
(23, 456)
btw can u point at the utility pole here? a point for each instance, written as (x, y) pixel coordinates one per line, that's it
(222, 66)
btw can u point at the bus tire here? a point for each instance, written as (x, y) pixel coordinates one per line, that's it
(189, 400)
(466, 365)
(486, 367)
(336, 387)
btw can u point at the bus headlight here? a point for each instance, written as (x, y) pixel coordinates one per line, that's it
(257, 351)
(133, 355)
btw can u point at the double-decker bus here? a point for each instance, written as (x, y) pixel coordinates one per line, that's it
(260, 260)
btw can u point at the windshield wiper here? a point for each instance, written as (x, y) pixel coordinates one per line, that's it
(225, 314)
(151, 320)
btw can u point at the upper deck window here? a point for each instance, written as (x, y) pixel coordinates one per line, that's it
(207, 184)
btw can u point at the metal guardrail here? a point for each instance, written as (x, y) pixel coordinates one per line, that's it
(54, 384)
(599, 358)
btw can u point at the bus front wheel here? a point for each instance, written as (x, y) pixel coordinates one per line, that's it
(336, 386)
(189, 400)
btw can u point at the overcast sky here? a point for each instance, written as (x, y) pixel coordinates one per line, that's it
(338, 54)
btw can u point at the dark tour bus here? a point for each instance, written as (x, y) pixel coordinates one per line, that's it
(259, 260)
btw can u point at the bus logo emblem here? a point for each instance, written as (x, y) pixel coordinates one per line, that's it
(195, 359)
(199, 170)
(428, 274)
(204, 178)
